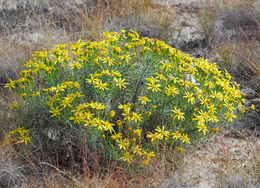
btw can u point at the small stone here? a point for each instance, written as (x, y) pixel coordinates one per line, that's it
(250, 93)
(255, 101)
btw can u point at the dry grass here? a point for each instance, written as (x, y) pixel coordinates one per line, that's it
(223, 161)
(11, 170)
(38, 27)
(233, 30)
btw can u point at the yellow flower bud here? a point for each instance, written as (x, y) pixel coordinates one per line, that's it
(119, 123)
(148, 113)
(112, 113)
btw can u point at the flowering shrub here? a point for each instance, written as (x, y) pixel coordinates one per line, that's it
(138, 94)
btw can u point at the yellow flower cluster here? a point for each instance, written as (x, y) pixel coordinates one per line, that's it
(17, 136)
(137, 92)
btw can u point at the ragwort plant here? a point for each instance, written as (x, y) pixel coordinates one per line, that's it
(137, 94)
(16, 137)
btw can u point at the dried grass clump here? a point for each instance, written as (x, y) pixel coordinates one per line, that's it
(11, 174)
(233, 29)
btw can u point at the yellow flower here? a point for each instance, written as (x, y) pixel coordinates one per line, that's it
(136, 117)
(144, 100)
(36, 94)
(108, 126)
(137, 132)
(209, 84)
(229, 106)
(147, 155)
(205, 115)
(199, 93)
(128, 158)
(99, 124)
(190, 97)
(154, 107)
(55, 111)
(119, 122)
(148, 114)
(230, 116)
(10, 85)
(176, 135)
(67, 101)
(215, 95)
(213, 118)
(76, 65)
(14, 105)
(116, 136)
(204, 101)
(92, 79)
(23, 95)
(211, 108)
(243, 111)
(154, 137)
(151, 80)
(180, 149)
(185, 83)
(123, 144)
(171, 90)
(174, 79)
(97, 106)
(154, 87)
(136, 149)
(117, 49)
(120, 82)
(128, 45)
(88, 115)
(202, 128)
(253, 107)
(24, 137)
(125, 107)
(127, 116)
(166, 66)
(125, 57)
(109, 61)
(216, 129)
(29, 64)
(79, 117)
(115, 73)
(60, 88)
(101, 85)
(178, 114)
(105, 72)
(77, 94)
(185, 138)
(160, 76)
(145, 162)
(112, 113)
(162, 132)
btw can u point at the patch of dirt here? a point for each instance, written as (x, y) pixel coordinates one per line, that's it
(223, 161)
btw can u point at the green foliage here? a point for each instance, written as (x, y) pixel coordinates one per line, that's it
(129, 97)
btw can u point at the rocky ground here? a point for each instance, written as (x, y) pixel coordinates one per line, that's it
(224, 161)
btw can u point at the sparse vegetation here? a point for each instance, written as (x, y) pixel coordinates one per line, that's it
(233, 29)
